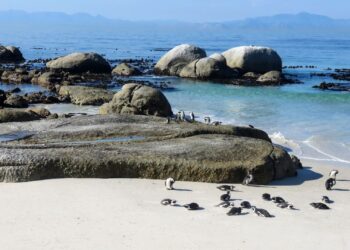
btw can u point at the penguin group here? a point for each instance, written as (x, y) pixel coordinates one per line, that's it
(279, 201)
(180, 116)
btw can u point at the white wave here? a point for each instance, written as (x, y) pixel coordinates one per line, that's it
(279, 139)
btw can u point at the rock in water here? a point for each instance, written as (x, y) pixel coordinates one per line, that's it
(16, 101)
(271, 77)
(82, 95)
(253, 59)
(80, 63)
(135, 146)
(125, 69)
(177, 58)
(10, 54)
(138, 100)
(17, 115)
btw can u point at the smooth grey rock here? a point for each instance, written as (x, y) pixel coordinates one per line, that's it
(16, 101)
(125, 69)
(82, 95)
(272, 77)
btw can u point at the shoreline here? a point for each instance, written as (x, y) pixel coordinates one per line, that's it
(126, 214)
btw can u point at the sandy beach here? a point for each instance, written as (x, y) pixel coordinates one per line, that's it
(126, 214)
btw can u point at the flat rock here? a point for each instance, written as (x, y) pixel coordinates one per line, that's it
(128, 146)
(82, 95)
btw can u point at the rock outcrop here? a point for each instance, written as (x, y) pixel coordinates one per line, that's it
(17, 115)
(138, 100)
(80, 63)
(82, 95)
(177, 58)
(271, 77)
(10, 54)
(125, 69)
(253, 59)
(124, 146)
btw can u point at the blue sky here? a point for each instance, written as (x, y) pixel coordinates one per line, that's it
(184, 10)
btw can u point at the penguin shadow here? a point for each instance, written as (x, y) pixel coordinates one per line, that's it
(304, 175)
(341, 189)
(342, 180)
(257, 185)
(182, 190)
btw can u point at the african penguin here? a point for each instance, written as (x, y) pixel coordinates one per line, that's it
(330, 183)
(191, 206)
(278, 199)
(326, 199)
(333, 174)
(245, 204)
(226, 187)
(319, 205)
(207, 120)
(234, 211)
(169, 183)
(192, 117)
(217, 123)
(225, 197)
(266, 197)
(261, 212)
(170, 202)
(248, 179)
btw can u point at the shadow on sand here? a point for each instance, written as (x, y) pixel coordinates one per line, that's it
(305, 174)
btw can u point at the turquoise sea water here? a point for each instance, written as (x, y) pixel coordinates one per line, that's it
(311, 123)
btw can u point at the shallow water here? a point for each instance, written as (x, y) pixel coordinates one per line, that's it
(312, 123)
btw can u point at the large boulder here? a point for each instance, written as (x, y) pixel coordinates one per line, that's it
(253, 59)
(48, 79)
(80, 63)
(82, 95)
(139, 100)
(17, 115)
(207, 68)
(10, 54)
(125, 69)
(16, 101)
(124, 146)
(271, 77)
(177, 58)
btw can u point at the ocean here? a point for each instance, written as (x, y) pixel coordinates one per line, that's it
(308, 122)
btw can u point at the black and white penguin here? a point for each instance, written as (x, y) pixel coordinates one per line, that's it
(246, 205)
(226, 187)
(248, 180)
(326, 199)
(207, 120)
(169, 183)
(283, 205)
(192, 117)
(261, 212)
(319, 205)
(251, 126)
(167, 202)
(330, 183)
(278, 200)
(291, 207)
(182, 115)
(266, 197)
(217, 123)
(191, 206)
(234, 211)
(333, 174)
(225, 197)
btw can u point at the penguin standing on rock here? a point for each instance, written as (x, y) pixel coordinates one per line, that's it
(182, 115)
(248, 180)
(225, 197)
(192, 117)
(207, 120)
(169, 183)
(330, 183)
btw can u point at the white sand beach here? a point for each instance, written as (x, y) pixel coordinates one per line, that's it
(126, 214)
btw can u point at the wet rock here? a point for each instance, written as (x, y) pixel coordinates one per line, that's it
(139, 100)
(253, 59)
(154, 150)
(80, 63)
(81, 95)
(10, 54)
(16, 76)
(39, 97)
(177, 58)
(251, 75)
(16, 115)
(272, 77)
(16, 101)
(2, 97)
(333, 86)
(48, 79)
(125, 69)
(41, 112)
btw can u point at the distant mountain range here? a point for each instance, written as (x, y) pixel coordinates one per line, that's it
(284, 23)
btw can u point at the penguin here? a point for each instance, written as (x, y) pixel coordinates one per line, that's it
(182, 115)
(325, 199)
(207, 120)
(283, 205)
(225, 197)
(169, 183)
(330, 183)
(333, 174)
(266, 197)
(261, 212)
(291, 207)
(251, 126)
(226, 187)
(168, 120)
(178, 116)
(191, 206)
(246, 205)
(278, 200)
(167, 202)
(234, 211)
(248, 180)
(192, 117)
(217, 123)
(319, 205)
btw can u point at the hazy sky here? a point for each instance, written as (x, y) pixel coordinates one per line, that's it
(185, 10)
